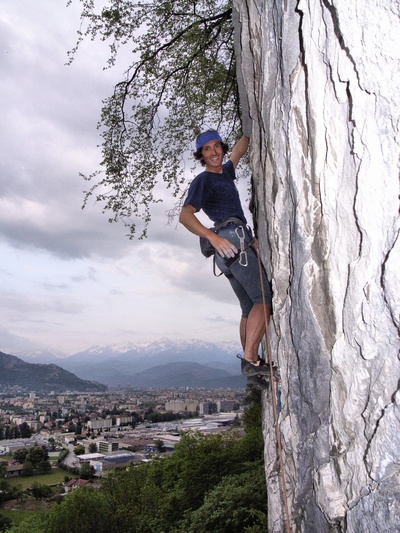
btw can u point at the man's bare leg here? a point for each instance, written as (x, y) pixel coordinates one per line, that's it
(255, 329)
(242, 332)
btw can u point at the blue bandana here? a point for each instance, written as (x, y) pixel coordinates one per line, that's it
(207, 136)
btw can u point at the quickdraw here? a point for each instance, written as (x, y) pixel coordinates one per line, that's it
(243, 253)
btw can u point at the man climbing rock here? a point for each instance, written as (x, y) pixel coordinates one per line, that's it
(214, 192)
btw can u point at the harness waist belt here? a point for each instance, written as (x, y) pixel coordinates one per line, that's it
(227, 221)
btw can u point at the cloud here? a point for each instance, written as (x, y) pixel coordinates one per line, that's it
(11, 343)
(21, 307)
(71, 279)
(51, 113)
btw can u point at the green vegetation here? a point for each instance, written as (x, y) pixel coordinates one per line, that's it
(33, 524)
(14, 431)
(62, 455)
(18, 517)
(52, 478)
(40, 491)
(79, 450)
(34, 460)
(213, 483)
(9, 491)
(5, 522)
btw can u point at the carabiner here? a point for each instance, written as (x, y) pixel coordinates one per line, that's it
(243, 254)
(243, 259)
(240, 237)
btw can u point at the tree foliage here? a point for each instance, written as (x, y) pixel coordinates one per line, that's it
(25, 430)
(86, 471)
(3, 468)
(15, 431)
(79, 450)
(236, 505)
(5, 522)
(40, 491)
(84, 511)
(36, 456)
(168, 494)
(182, 80)
(35, 524)
(9, 491)
(20, 455)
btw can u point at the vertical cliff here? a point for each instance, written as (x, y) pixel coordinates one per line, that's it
(323, 85)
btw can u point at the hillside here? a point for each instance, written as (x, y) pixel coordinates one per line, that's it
(186, 374)
(41, 377)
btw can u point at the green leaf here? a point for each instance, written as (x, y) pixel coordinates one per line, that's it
(181, 81)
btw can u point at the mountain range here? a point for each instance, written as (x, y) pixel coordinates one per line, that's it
(163, 363)
(15, 372)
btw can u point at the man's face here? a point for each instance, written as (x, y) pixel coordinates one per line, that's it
(213, 155)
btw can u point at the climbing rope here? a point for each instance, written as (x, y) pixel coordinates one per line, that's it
(274, 400)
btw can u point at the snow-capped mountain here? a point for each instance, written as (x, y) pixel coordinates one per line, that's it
(41, 356)
(118, 364)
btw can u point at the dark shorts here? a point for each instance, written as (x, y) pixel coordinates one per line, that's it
(245, 280)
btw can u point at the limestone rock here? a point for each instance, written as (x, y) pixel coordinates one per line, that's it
(322, 82)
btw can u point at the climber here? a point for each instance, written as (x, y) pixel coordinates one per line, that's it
(214, 192)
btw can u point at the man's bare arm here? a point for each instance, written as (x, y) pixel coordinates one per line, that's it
(239, 150)
(193, 224)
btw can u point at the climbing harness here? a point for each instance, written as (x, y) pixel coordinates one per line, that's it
(208, 250)
(276, 400)
(241, 229)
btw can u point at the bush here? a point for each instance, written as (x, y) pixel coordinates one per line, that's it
(62, 455)
(5, 522)
(40, 491)
(79, 450)
(237, 504)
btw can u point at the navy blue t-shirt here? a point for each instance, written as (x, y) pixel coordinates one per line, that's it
(216, 194)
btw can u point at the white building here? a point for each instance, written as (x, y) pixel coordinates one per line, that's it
(123, 420)
(99, 423)
(180, 406)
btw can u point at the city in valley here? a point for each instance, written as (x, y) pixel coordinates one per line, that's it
(109, 429)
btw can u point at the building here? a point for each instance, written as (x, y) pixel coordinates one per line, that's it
(11, 445)
(74, 484)
(123, 420)
(181, 406)
(114, 460)
(100, 423)
(204, 408)
(13, 469)
(225, 406)
(87, 457)
(34, 425)
(107, 446)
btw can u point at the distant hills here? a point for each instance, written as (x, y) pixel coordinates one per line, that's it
(186, 375)
(41, 377)
(159, 364)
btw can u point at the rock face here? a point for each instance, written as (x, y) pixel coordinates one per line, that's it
(322, 80)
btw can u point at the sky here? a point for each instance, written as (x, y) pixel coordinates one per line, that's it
(69, 279)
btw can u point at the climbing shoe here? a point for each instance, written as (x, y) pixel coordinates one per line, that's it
(249, 369)
(258, 382)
